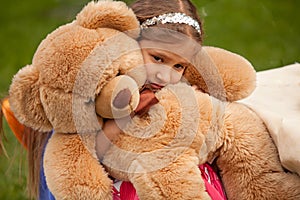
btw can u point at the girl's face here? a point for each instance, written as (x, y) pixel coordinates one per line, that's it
(163, 65)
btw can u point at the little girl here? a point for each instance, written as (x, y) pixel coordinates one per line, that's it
(171, 34)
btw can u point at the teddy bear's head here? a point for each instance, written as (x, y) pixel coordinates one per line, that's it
(73, 63)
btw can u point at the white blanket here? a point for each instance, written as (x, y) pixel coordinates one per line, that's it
(277, 101)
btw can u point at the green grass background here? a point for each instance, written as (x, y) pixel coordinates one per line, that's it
(266, 32)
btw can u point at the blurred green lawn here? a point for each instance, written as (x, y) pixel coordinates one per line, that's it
(266, 32)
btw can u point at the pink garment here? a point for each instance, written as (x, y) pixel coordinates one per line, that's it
(212, 183)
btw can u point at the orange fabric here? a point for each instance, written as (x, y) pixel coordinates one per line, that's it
(17, 128)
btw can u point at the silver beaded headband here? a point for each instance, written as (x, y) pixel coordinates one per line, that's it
(180, 18)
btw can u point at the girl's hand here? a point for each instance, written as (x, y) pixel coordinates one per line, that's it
(109, 133)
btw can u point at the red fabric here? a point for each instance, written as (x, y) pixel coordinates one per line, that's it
(147, 99)
(127, 191)
(212, 183)
(116, 194)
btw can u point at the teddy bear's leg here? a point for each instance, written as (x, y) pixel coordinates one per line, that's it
(180, 179)
(249, 163)
(71, 171)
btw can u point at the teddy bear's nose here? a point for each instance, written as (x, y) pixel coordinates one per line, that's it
(122, 99)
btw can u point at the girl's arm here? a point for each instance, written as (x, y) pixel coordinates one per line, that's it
(109, 133)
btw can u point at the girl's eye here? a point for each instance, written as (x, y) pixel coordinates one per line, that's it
(179, 67)
(157, 58)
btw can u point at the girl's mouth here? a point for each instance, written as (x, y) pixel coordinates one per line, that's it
(152, 86)
(155, 86)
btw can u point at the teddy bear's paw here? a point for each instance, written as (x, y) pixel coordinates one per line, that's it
(222, 74)
(85, 177)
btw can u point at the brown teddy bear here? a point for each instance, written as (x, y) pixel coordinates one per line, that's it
(83, 67)
(160, 152)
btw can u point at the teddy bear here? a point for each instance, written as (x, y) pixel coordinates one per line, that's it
(82, 73)
(161, 151)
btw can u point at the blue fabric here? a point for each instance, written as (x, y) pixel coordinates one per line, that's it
(44, 192)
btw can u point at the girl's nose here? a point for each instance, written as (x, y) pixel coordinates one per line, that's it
(163, 76)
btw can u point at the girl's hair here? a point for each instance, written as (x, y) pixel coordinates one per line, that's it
(147, 9)
(33, 141)
(36, 142)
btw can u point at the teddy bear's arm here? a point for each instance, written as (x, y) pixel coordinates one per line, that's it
(72, 172)
(180, 179)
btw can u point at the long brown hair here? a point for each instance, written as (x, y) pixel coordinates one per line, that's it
(147, 9)
(36, 142)
(33, 141)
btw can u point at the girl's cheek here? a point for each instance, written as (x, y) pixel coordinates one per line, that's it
(176, 77)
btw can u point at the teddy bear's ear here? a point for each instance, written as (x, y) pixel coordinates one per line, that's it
(108, 14)
(222, 74)
(24, 98)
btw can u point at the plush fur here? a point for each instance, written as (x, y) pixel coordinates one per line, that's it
(78, 71)
(222, 74)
